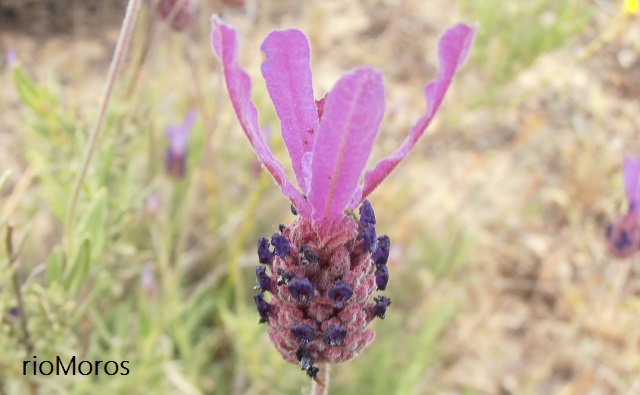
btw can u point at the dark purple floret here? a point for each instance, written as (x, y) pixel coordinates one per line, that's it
(367, 216)
(264, 254)
(382, 277)
(313, 372)
(381, 255)
(334, 336)
(306, 255)
(380, 308)
(340, 293)
(281, 245)
(305, 358)
(14, 312)
(301, 289)
(264, 281)
(282, 228)
(303, 333)
(623, 241)
(368, 236)
(264, 308)
(294, 211)
(283, 277)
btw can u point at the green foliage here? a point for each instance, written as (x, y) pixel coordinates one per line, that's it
(512, 35)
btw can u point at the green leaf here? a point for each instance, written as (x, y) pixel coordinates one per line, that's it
(4, 178)
(55, 266)
(78, 271)
(92, 225)
(27, 90)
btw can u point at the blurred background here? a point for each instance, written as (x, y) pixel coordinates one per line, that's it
(500, 278)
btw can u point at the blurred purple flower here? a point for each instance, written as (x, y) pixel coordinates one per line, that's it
(175, 160)
(10, 59)
(148, 282)
(183, 18)
(322, 297)
(623, 235)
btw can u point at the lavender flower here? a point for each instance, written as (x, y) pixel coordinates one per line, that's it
(323, 302)
(175, 160)
(10, 59)
(623, 236)
(183, 17)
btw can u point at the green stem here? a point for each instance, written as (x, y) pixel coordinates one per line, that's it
(98, 124)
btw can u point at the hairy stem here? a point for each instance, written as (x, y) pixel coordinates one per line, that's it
(320, 385)
(96, 129)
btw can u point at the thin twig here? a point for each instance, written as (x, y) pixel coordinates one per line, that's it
(22, 312)
(96, 130)
(320, 385)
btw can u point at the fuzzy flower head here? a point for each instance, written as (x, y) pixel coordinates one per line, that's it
(623, 236)
(175, 160)
(328, 264)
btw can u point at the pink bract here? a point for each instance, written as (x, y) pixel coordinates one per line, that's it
(328, 153)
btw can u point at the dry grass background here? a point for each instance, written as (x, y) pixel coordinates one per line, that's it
(519, 177)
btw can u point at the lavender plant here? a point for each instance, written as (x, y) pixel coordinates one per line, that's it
(323, 270)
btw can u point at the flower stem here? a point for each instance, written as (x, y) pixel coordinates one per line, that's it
(98, 124)
(320, 385)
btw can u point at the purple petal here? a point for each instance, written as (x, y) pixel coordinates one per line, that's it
(631, 175)
(352, 113)
(287, 73)
(225, 45)
(452, 51)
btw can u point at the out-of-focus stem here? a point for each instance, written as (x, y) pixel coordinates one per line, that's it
(320, 385)
(96, 130)
(22, 312)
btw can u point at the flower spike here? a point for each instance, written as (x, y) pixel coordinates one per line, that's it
(327, 265)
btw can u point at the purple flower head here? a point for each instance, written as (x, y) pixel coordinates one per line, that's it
(303, 333)
(340, 294)
(281, 246)
(328, 287)
(623, 236)
(263, 280)
(175, 160)
(301, 289)
(334, 336)
(381, 254)
(182, 17)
